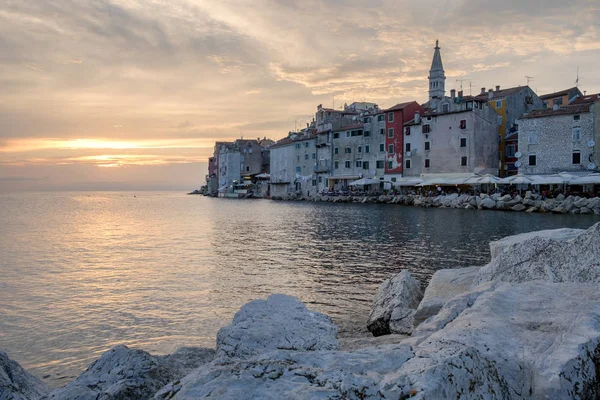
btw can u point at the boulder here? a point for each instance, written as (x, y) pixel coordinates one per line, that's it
(488, 204)
(495, 196)
(506, 198)
(585, 210)
(581, 202)
(530, 210)
(394, 305)
(543, 337)
(560, 197)
(279, 322)
(508, 243)
(444, 285)
(518, 207)
(469, 207)
(18, 384)
(546, 256)
(122, 373)
(473, 201)
(500, 205)
(528, 194)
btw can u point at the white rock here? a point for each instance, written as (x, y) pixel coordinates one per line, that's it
(394, 305)
(488, 203)
(507, 243)
(280, 322)
(444, 285)
(543, 337)
(542, 257)
(122, 373)
(18, 384)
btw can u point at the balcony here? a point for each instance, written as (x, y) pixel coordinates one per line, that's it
(322, 167)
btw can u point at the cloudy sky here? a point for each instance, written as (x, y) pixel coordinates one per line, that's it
(132, 94)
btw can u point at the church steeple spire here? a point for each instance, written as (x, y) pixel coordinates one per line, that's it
(437, 77)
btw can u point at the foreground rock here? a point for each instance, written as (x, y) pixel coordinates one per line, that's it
(394, 305)
(544, 338)
(508, 243)
(18, 384)
(547, 255)
(444, 285)
(279, 323)
(122, 373)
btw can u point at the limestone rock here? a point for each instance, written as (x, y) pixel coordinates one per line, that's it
(546, 256)
(122, 373)
(528, 194)
(518, 207)
(506, 198)
(560, 197)
(585, 210)
(279, 322)
(18, 384)
(444, 285)
(530, 210)
(543, 337)
(488, 203)
(507, 243)
(394, 305)
(495, 196)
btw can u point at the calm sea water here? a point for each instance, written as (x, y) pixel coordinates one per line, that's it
(81, 272)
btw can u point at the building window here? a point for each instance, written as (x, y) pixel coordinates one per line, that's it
(314, 182)
(407, 164)
(427, 163)
(463, 161)
(360, 149)
(366, 120)
(348, 133)
(498, 103)
(305, 144)
(532, 138)
(381, 146)
(469, 105)
(297, 145)
(557, 102)
(359, 164)
(347, 164)
(306, 156)
(407, 131)
(426, 128)
(336, 165)
(336, 150)
(463, 142)
(532, 160)
(394, 179)
(348, 150)
(320, 179)
(367, 148)
(390, 165)
(380, 117)
(390, 148)
(297, 158)
(499, 120)
(445, 107)
(382, 131)
(391, 132)
(576, 158)
(407, 147)
(463, 124)
(509, 151)
(314, 156)
(298, 170)
(336, 135)
(576, 133)
(391, 117)
(380, 164)
(367, 133)
(576, 117)
(365, 165)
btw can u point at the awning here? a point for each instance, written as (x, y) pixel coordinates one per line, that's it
(344, 177)
(593, 179)
(517, 180)
(364, 182)
(408, 182)
(263, 176)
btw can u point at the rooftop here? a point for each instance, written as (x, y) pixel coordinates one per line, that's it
(497, 94)
(587, 99)
(399, 106)
(566, 110)
(557, 94)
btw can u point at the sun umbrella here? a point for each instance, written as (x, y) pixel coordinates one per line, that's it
(363, 182)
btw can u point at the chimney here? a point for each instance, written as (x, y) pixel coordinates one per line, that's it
(482, 90)
(497, 88)
(460, 93)
(417, 118)
(490, 94)
(319, 106)
(453, 95)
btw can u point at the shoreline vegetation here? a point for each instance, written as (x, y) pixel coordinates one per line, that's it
(524, 326)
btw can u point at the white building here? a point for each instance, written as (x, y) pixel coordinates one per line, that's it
(456, 143)
(293, 162)
(557, 140)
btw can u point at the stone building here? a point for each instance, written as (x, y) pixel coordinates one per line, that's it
(293, 162)
(557, 140)
(561, 98)
(454, 143)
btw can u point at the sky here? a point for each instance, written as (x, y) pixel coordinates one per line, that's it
(132, 94)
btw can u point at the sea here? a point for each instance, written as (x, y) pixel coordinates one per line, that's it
(81, 272)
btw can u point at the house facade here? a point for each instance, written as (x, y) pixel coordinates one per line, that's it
(557, 140)
(293, 162)
(395, 118)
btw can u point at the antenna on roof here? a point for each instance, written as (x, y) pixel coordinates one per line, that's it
(470, 84)
(529, 79)
(577, 80)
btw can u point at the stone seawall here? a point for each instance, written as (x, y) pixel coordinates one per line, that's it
(530, 202)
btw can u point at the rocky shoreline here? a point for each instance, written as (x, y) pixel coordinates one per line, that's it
(529, 202)
(524, 326)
